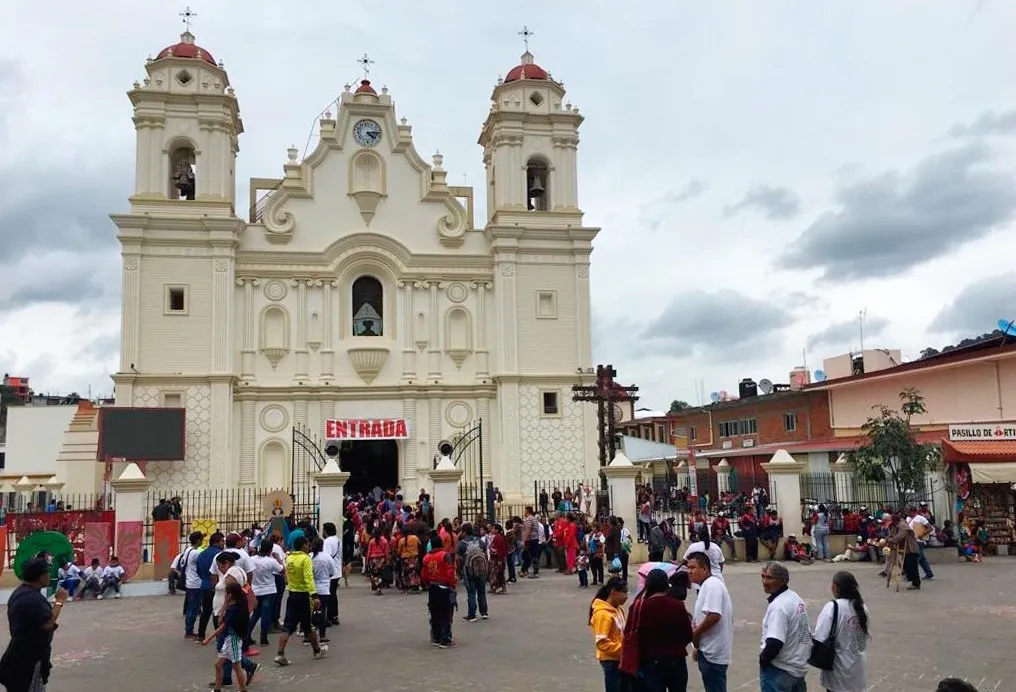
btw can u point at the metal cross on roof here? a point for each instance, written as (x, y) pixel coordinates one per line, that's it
(525, 34)
(188, 16)
(605, 393)
(365, 63)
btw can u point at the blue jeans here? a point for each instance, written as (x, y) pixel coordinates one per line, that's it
(714, 675)
(266, 606)
(70, 584)
(192, 603)
(820, 537)
(611, 676)
(227, 670)
(922, 562)
(773, 679)
(476, 593)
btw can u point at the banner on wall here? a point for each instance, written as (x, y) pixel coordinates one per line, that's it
(367, 429)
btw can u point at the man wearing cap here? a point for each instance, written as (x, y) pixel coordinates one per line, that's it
(26, 663)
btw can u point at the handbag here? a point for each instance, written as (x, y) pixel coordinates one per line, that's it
(823, 654)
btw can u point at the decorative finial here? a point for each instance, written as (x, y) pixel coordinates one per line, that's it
(365, 63)
(384, 89)
(292, 152)
(188, 17)
(347, 87)
(438, 160)
(525, 34)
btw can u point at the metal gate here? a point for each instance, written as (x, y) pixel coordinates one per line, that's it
(308, 458)
(476, 495)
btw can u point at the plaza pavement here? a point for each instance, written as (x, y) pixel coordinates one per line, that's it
(963, 624)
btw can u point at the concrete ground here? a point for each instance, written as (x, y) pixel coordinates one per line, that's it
(962, 624)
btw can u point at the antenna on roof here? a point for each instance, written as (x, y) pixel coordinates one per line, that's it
(860, 319)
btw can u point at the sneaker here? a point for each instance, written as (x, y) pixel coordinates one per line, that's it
(323, 640)
(281, 660)
(436, 644)
(929, 577)
(485, 617)
(321, 653)
(98, 598)
(470, 618)
(117, 595)
(190, 636)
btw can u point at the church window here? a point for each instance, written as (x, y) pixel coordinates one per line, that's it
(536, 98)
(184, 77)
(546, 305)
(550, 404)
(176, 300)
(537, 180)
(368, 307)
(182, 177)
(172, 400)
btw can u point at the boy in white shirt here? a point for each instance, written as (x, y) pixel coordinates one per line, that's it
(112, 578)
(69, 577)
(92, 580)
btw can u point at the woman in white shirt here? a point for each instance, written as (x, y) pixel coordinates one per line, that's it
(850, 665)
(228, 572)
(324, 571)
(704, 545)
(266, 569)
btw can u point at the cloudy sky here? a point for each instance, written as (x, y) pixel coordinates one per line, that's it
(762, 171)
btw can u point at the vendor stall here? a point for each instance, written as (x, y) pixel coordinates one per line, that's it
(984, 475)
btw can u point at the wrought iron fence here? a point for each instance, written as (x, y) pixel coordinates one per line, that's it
(85, 508)
(844, 495)
(230, 509)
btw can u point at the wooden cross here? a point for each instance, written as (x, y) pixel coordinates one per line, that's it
(525, 34)
(606, 392)
(188, 16)
(365, 63)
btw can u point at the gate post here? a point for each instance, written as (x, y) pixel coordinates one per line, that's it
(445, 478)
(620, 475)
(785, 489)
(331, 481)
(130, 489)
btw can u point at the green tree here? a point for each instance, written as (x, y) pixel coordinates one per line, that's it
(676, 406)
(891, 451)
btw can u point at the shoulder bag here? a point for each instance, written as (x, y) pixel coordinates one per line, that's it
(823, 654)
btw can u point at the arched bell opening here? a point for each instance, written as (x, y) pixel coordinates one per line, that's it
(182, 174)
(537, 184)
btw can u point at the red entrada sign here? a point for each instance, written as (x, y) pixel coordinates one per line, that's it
(367, 429)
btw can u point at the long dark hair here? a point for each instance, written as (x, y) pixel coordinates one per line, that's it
(680, 582)
(613, 584)
(703, 535)
(846, 585)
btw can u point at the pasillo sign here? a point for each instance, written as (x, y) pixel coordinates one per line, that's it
(367, 429)
(983, 431)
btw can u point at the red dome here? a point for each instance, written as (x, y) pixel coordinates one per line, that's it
(186, 49)
(365, 88)
(527, 70)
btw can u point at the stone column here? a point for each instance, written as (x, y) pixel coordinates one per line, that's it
(248, 352)
(406, 325)
(480, 329)
(682, 474)
(722, 471)
(434, 349)
(331, 481)
(620, 475)
(445, 479)
(843, 474)
(327, 326)
(785, 489)
(302, 355)
(130, 317)
(248, 461)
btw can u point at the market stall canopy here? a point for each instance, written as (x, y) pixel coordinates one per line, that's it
(991, 461)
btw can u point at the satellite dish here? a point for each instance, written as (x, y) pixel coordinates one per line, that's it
(765, 386)
(714, 397)
(820, 376)
(1007, 327)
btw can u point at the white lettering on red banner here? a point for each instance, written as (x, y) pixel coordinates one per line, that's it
(367, 429)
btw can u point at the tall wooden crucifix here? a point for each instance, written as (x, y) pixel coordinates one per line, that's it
(607, 394)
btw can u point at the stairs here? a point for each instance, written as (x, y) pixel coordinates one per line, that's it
(77, 463)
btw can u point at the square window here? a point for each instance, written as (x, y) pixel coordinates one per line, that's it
(172, 400)
(176, 300)
(790, 422)
(546, 305)
(550, 404)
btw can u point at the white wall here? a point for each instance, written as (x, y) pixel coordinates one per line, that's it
(35, 435)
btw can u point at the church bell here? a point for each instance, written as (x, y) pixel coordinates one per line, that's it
(536, 188)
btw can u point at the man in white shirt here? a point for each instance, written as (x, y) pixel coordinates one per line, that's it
(333, 548)
(923, 529)
(712, 624)
(786, 634)
(186, 564)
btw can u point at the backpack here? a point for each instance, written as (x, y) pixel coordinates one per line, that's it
(474, 564)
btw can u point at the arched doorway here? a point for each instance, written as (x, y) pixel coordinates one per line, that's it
(370, 463)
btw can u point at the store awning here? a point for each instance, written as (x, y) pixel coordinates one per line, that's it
(993, 473)
(991, 452)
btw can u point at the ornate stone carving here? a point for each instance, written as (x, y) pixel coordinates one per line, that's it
(451, 228)
(458, 356)
(582, 271)
(368, 362)
(458, 414)
(274, 355)
(274, 418)
(221, 265)
(507, 270)
(275, 290)
(456, 292)
(130, 264)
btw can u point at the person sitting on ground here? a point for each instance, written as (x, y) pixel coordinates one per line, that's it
(857, 552)
(770, 531)
(796, 552)
(112, 577)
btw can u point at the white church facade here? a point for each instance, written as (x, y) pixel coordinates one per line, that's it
(359, 300)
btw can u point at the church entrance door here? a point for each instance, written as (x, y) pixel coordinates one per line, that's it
(370, 463)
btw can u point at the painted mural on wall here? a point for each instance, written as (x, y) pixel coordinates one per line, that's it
(167, 545)
(128, 546)
(98, 542)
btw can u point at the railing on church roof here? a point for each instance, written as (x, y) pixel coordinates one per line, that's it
(261, 191)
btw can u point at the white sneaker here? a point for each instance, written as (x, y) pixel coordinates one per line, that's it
(322, 652)
(117, 596)
(98, 598)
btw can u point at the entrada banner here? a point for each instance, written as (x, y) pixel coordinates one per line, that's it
(367, 429)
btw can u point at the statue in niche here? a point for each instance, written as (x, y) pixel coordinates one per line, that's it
(368, 303)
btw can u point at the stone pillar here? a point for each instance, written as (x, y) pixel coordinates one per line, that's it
(620, 475)
(406, 325)
(131, 315)
(480, 338)
(843, 474)
(785, 489)
(250, 324)
(434, 348)
(331, 481)
(722, 471)
(130, 489)
(302, 355)
(327, 327)
(445, 479)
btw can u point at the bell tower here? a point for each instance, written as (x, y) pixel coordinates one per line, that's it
(530, 139)
(188, 124)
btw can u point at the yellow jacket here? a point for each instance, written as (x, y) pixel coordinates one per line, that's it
(607, 624)
(300, 573)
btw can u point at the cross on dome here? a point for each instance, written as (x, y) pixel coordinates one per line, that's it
(365, 62)
(187, 17)
(525, 34)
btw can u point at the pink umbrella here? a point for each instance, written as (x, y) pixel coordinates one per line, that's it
(648, 567)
